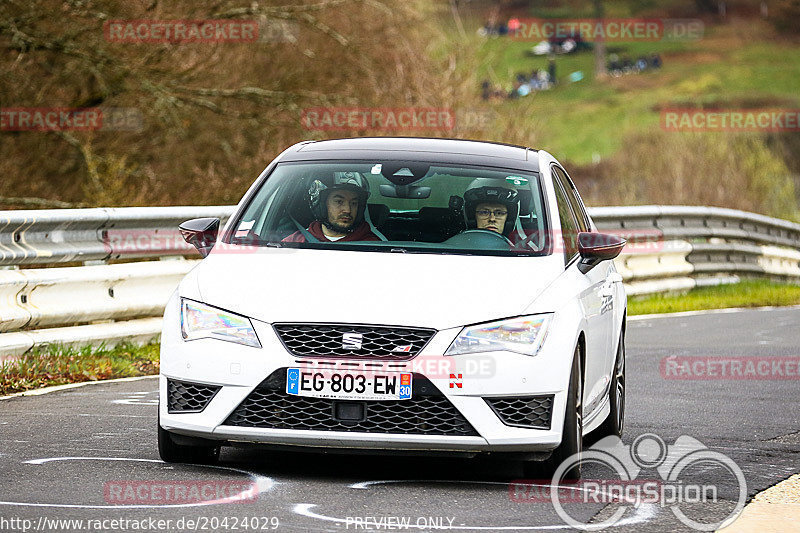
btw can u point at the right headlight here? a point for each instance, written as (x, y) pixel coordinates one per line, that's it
(201, 321)
(523, 335)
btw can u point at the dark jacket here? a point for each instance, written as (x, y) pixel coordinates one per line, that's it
(361, 233)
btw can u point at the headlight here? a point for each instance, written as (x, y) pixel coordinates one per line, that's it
(523, 335)
(201, 321)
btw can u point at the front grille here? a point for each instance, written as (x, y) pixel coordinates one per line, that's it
(428, 412)
(184, 397)
(345, 340)
(523, 411)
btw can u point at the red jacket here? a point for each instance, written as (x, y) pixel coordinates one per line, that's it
(361, 233)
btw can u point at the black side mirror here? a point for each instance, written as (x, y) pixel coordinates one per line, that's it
(200, 233)
(597, 247)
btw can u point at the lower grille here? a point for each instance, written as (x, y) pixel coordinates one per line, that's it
(523, 411)
(184, 397)
(428, 412)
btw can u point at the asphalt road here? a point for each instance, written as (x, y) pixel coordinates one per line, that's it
(62, 455)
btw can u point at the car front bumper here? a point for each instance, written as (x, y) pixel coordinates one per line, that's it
(239, 369)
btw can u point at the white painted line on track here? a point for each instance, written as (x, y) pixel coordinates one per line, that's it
(263, 484)
(635, 318)
(56, 388)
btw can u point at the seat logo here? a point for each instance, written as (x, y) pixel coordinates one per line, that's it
(351, 341)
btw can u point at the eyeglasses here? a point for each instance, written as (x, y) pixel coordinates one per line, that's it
(484, 213)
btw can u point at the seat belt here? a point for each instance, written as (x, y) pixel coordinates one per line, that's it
(307, 234)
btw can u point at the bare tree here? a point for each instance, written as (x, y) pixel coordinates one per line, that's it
(600, 44)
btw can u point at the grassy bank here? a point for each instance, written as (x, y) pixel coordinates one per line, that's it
(733, 66)
(59, 365)
(751, 293)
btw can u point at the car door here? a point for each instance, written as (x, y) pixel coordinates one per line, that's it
(594, 296)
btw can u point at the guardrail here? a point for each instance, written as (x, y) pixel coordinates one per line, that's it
(681, 247)
(89, 302)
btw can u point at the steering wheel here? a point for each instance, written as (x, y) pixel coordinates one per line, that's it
(475, 236)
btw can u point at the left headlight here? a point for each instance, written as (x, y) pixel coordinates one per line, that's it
(201, 321)
(523, 335)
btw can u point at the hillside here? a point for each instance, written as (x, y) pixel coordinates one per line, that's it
(210, 116)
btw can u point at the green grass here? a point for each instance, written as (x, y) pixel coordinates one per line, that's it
(735, 65)
(57, 365)
(751, 293)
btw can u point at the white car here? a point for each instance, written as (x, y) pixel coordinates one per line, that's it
(398, 295)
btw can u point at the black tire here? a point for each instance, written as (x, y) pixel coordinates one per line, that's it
(615, 422)
(171, 452)
(572, 433)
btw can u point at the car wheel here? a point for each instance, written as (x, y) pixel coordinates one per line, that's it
(172, 452)
(614, 423)
(572, 433)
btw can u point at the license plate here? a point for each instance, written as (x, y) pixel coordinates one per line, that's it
(348, 385)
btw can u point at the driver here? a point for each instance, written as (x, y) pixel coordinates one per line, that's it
(491, 208)
(338, 203)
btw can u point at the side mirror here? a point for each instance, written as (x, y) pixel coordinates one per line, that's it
(597, 247)
(200, 233)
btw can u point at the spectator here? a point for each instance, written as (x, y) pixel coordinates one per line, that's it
(655, 60)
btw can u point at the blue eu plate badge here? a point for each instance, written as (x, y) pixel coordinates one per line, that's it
(293, 381)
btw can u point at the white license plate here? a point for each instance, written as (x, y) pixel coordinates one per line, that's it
(348, 385)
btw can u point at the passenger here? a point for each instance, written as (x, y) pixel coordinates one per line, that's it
(338, 204)
(491, 208)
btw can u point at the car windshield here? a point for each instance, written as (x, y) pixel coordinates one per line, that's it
(397, 206)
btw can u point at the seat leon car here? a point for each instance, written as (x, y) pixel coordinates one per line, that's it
(398, 295)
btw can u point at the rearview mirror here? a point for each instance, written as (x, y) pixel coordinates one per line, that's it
(405, 191)
(597, 247)
(200, 233)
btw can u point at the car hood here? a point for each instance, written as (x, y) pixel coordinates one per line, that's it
(356, 287)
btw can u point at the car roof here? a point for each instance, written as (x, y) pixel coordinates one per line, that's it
(416, 148)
